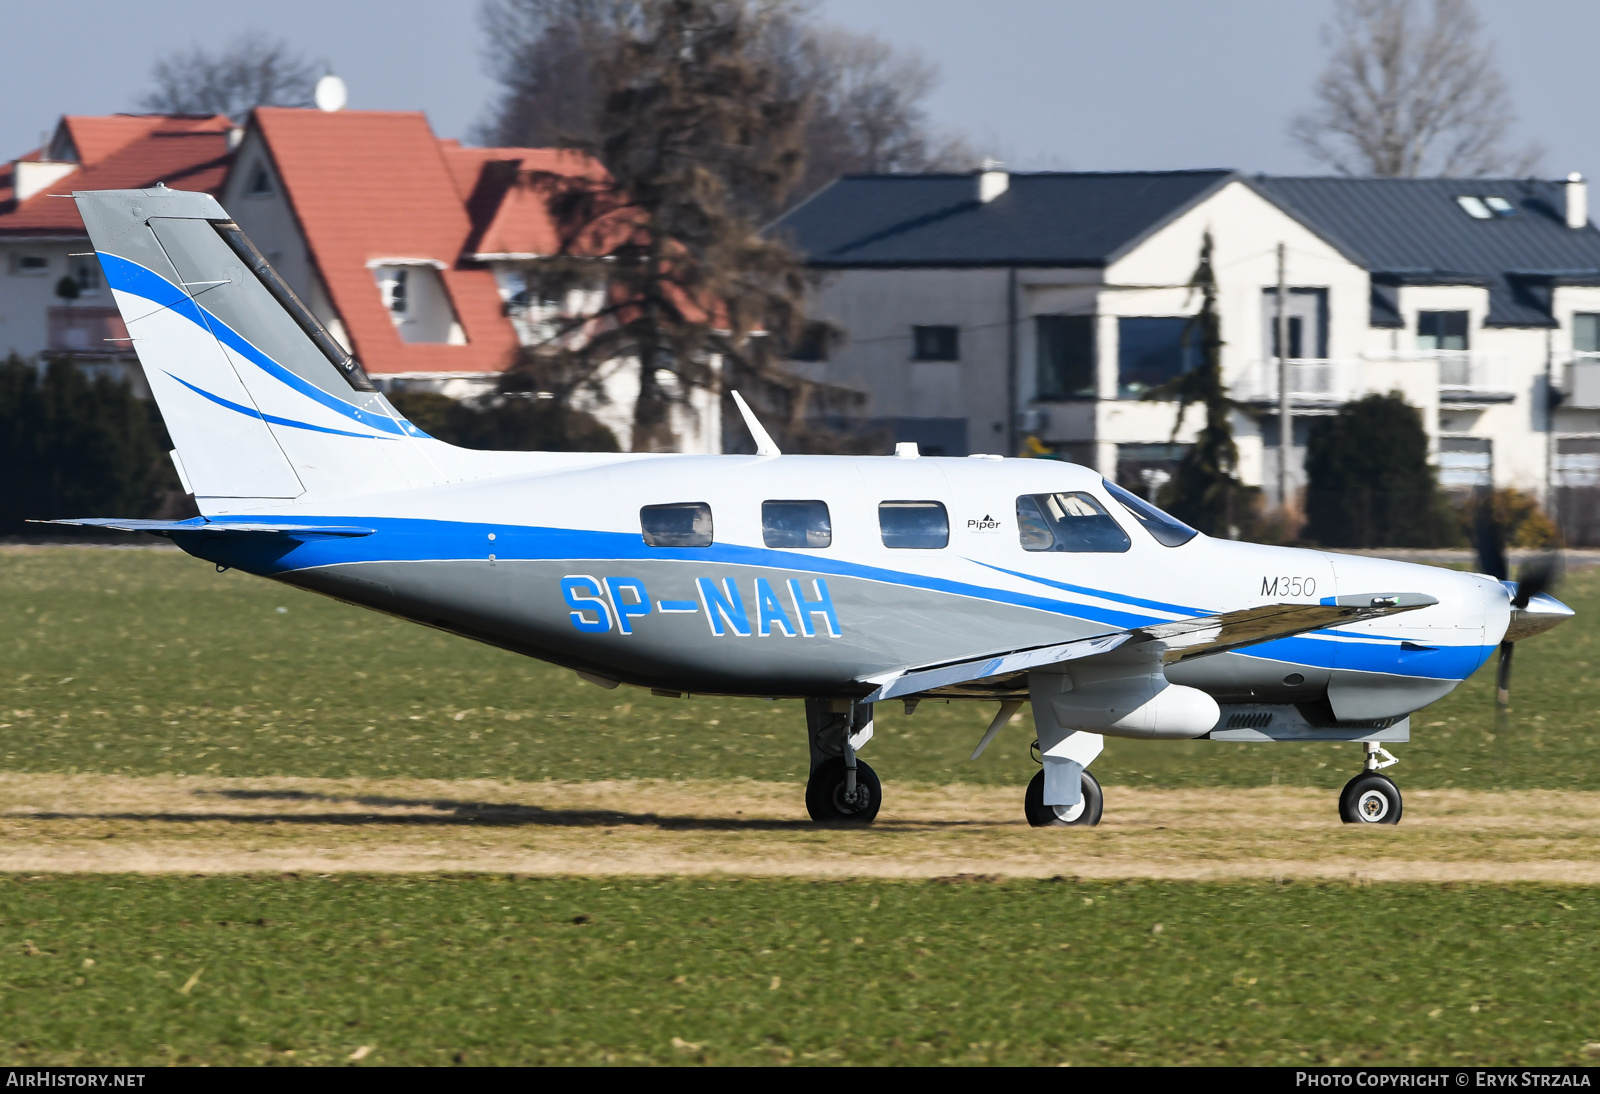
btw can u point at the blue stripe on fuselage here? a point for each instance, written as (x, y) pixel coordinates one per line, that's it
(400, 539)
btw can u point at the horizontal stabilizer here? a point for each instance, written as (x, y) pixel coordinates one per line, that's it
(213, 527)
(1179, 640)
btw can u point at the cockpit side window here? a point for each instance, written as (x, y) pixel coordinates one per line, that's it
(1168, 530)
(680, 524)
(918, 525)
(796, 524)
(1073, 522)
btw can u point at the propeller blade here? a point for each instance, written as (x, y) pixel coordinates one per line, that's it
(1538, 576)
(1488, 537)
(1502, 693)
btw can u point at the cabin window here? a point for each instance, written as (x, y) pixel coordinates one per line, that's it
(796, 524)
(1068, 522)
(918, 525)
(935, 343)
(681, 524)
(1168, 530)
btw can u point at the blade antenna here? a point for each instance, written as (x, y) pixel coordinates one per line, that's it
(764, 442)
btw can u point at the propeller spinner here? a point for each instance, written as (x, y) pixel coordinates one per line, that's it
(1533, 609)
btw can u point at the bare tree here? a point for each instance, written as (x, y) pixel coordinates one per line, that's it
(1407, 94)
(866, 115)
(862, 99)
(251, 71)
(691, 117)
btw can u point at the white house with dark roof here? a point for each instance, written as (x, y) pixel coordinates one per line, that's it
(975, 310)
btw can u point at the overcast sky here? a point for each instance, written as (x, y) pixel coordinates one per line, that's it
(1042, 84)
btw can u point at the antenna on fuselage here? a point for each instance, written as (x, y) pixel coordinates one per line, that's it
(764, 442)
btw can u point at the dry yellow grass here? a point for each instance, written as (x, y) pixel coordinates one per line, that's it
(104, 823)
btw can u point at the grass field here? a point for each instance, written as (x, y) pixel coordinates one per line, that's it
(480, 970)
(144, 662)
(295, 724)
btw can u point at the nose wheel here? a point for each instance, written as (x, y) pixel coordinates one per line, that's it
(1370, 797)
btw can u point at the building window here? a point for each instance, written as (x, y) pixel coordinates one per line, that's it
(795, 524)
(1465, 462)
(1151, 351)
(1446, 330)
(1066, 356)
(815, 341)
(397, 291)
(682, 524)
(1586, 332)
(86, 273)
(935, 344)
(30, 265)
(1486, 207)
(260, 182)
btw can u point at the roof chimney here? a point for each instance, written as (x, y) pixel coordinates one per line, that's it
(993, 181)
(1577, 200)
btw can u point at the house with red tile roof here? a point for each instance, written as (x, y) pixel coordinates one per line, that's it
(415, 251)
(42, 239)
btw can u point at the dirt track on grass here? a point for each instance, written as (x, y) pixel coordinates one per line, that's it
(106, 823)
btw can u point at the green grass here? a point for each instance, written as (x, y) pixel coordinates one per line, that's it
(486, 970)
(147, 663)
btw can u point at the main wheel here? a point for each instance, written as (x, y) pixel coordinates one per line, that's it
(1086, 812)
(825, 793)
(1370, 798)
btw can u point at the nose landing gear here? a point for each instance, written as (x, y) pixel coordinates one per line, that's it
(1372, 798)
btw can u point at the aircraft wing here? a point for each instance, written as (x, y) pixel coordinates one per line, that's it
(1174, 641)
(209, 527)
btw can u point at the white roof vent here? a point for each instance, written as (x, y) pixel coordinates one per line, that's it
(907, 450)
(993, 180)
(331, 94)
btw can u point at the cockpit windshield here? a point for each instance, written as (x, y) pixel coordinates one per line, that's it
(1169, 531)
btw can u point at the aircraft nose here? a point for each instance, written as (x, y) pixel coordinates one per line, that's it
(1543, 612)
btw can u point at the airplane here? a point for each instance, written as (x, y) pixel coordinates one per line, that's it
(846, 581)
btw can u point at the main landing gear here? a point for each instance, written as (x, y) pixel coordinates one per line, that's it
(1086, 812)
(1371, 798)
(841, 788)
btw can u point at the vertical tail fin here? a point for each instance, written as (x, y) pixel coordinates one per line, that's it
(262, 403)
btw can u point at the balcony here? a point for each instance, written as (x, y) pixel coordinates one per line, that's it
(1475, 378)
(1581, 382)
(1463, 378)
(1313, 382)
(87, 331)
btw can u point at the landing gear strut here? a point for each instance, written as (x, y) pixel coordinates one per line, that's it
(1371, 797)
(841, 787)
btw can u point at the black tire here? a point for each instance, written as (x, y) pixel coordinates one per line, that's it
(1370, 798)
(1041, 815)
(825, 793)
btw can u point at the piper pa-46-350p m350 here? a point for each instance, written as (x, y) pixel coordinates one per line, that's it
(846, 581)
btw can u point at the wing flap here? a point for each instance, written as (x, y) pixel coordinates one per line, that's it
(1178, 640)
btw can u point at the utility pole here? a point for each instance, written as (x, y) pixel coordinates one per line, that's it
(1285, 415)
